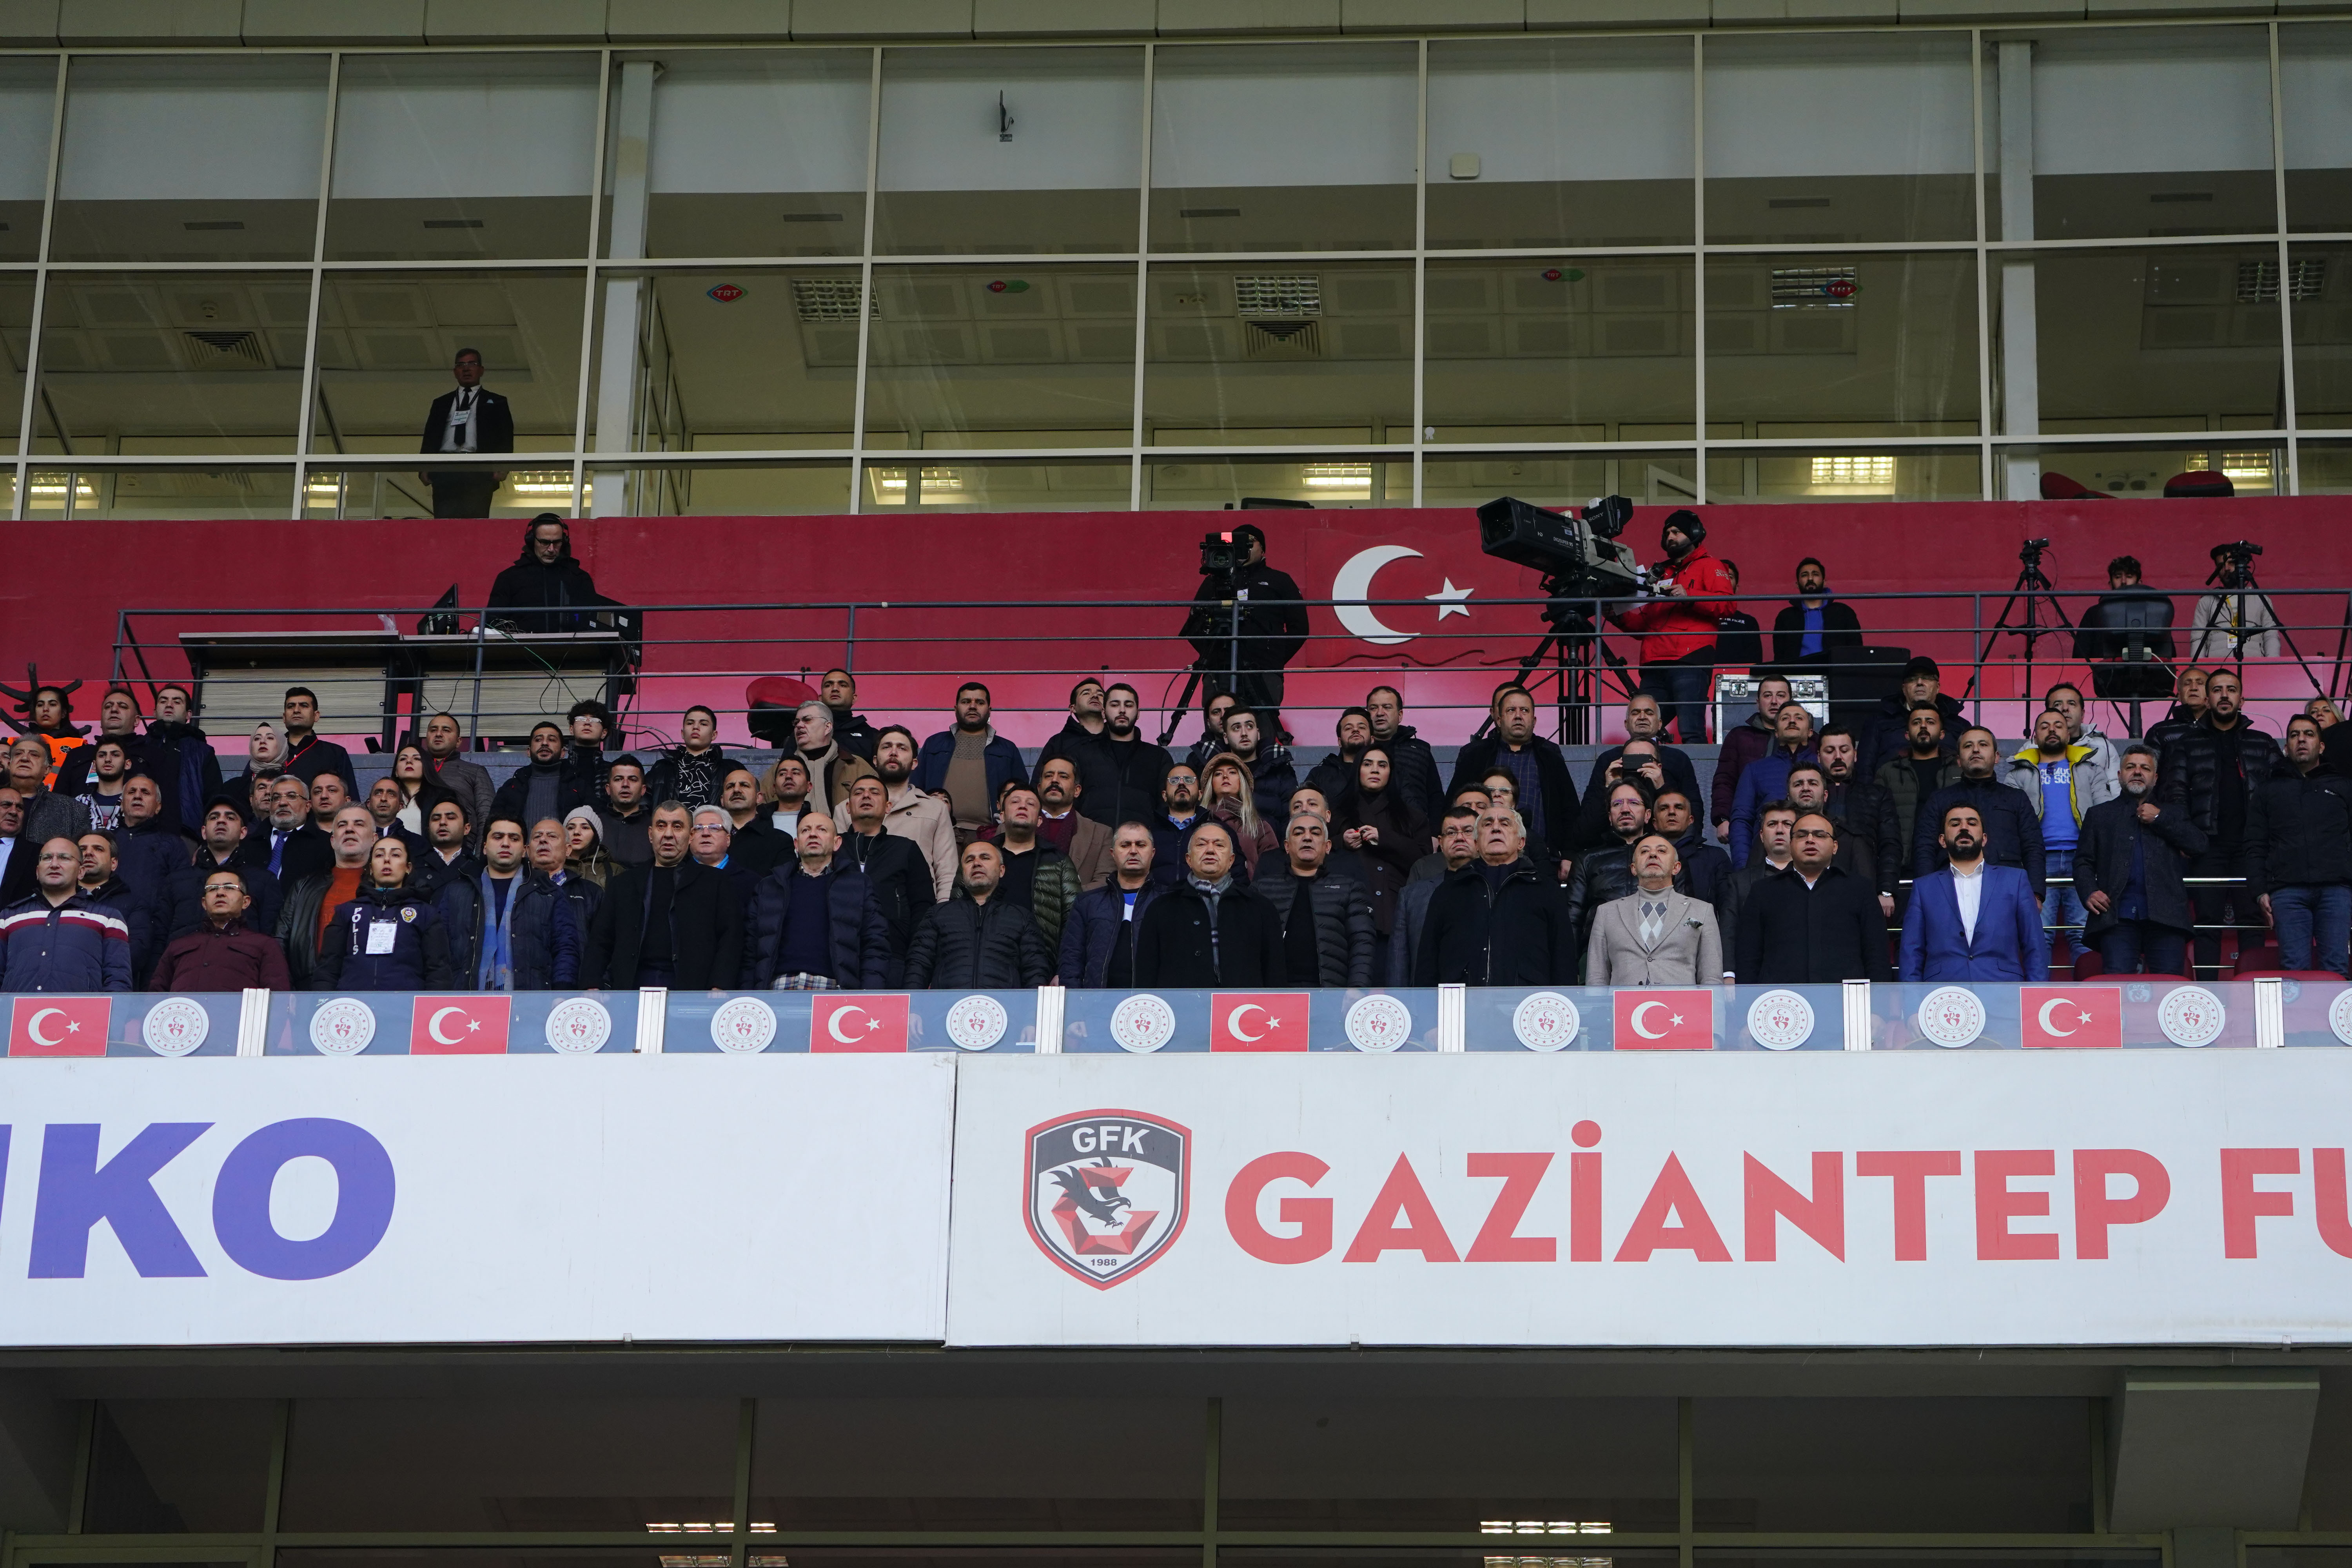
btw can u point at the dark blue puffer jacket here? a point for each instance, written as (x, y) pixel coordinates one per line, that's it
(419, 959)
(546, 935)
(857, 937)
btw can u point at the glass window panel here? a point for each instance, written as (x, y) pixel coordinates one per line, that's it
(29, 95)
(175, 159)
(2326, 469)
(1876, 344)
(379, 491)
(179, 1465)
(1819, 139)
(2174, 339)
(15, 340)
(973, 1464)
(1845, 473)
(961, 484)
(732, 489)
(2319, 292)
(2255, 465)
(1557, 141)
(1279, 354)
(1210, 483)
(2149, 131)
(454, 157)
(760, 154)
(1462, 1464)
(1009, 150)
(510, 1464)
(1977, 1464)
(1557, 350)
(741, 361)
(1001, 356)
(2314, 63)
(386, 342)
(164, 361)
(1558, 481)
(1273, 147)
(75, 488)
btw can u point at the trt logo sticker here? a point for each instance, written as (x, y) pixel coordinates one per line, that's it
(1108, 1191)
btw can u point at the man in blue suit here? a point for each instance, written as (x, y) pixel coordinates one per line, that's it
(1972, 920)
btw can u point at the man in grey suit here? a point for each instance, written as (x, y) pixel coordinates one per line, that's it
(1654, 936)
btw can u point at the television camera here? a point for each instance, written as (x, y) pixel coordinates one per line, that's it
(1583, 563)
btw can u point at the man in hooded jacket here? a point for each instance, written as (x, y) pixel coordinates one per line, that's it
(546, 590)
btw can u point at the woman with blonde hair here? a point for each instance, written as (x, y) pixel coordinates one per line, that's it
(1228, 790)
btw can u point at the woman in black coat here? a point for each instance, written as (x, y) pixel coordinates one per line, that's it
(389, 938)
(1387, 836)
(1209, 930)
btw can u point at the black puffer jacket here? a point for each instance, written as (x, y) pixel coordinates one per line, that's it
(1344, 931)
(2299, 831)
(857, 937)
(1118, 780)
(544, 932)
(1518, 935)
(1601, 875)
(1188, 940)
(2188, 772)
(960, 945)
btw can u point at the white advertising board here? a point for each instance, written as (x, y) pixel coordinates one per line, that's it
(2032, 1198)
(450, 1199)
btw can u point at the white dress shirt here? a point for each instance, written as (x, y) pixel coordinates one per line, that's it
(1967, 886)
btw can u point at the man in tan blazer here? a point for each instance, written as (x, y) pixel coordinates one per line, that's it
(1086, 841)
(1654, 936)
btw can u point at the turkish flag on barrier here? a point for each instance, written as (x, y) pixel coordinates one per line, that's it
(854, 1023)
(1649, 1020)
(58, 1025)
(1259, 1020)
(459, 1025)
(2063, 1017)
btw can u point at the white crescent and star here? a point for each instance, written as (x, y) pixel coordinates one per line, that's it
(833, 1024)
(432, 1025)
(1234, 1023)
(33, 1027)
(1643, 1030)
(1352, 586)
(2050, 1028)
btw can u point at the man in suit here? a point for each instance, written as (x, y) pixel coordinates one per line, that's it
(1811, 924)
(1973, 920)
(1654, 936)
(468, 420)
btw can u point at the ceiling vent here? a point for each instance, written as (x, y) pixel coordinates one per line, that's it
(1282, 340)
(829, 300)
(226, 351)
(1266, 294)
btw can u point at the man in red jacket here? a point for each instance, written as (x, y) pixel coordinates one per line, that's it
(221, 954)
(1691, 593)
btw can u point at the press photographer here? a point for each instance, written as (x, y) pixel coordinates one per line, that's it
(1245, 656)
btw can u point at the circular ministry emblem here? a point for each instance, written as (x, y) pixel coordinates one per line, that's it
(1545, 1021)
(342, 1027)
(2190, 1015)
(1142, 1023)
(578, 1027)
(977, 1023)
(2339, 1017)
(1951, 1016)
(1779, 1020)
(175, 1026)
(1379, 1023)
(743, 1027)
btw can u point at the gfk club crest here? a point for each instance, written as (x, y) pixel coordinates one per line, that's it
(853, 1023)
(1108, 1191)
(459, 1027)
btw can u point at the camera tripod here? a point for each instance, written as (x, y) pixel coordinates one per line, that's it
(2027, 597)
(2233, 574)
(1574, 646)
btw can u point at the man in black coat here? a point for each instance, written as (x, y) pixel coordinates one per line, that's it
(1885, 733)
(1812, 924)
(1328, 936)
(547, 786)
(893, 866)
(1497, 921)
(1605, 874)
(816, 916)
(2212, 768)
(1209, 930)
(672, 921)
(1119, 772)
(468, 420)
(1645, 722)
(1813, 623)
(2299, 853)
(1513, 745)
(978, 940)
(1705, 868)
(1863, 810)
(2012, 830)
(852, 731)
(2128, 865)
(1413, 765)
(1274, 628)
(546, 590)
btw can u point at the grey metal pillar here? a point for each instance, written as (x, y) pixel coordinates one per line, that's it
(2020, 386)
(616, 377)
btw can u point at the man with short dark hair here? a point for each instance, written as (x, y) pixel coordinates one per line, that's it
(1604, 875)
(626, 814)
(1328, 933)
(1752, 738)
(591, 726)
(671, 922)
(1547, 791)
(920, 818)
(2011, 832)
(756, 843)
(1677, 624)
(1498, 920)
(1457, 845)
(101, 790)
(1033, 873)
(1084, 841)
(224, 845)
(1645, 724)
(1811, 924)
(1413, 765)
(1971, 920)
(510, 929)
(223, 953)
(892, 865)
(59, 939)
(814, 924)
(688, 772)
(1767, 777)
(1869, 827)
(851, 730)
(1887, 733)
(1271, 777)
(442, 742)
(308, 756)
(1775, 825)
(1172, 827)
(969, 765)
(2061, 780)
(1813, 624)
(1273, 627)
(2213, 769)
(2065, 699)
(1704, 868)
(978, 940)
(548, 785)
(1213, 713)
(448, 838)
(2128, 870)
(1119, 770)
(1098, 939)
(1928, 763)
(2299, 853)
(466, 419)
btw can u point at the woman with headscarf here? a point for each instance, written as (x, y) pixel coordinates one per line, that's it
(268, 750)
(1374, 819)
(1229, 791)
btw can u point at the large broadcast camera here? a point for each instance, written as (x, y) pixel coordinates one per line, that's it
(1579, 556)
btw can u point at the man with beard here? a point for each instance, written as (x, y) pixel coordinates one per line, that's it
(627, 814)
(2299, 853)
(969, 765)
(1119, 772)
(2009, 831)
(756, 843)
(448, 853)
(918, 817)
(1926, 765)
(1883, 732)
(1972, 920)
(853, 729)
(2214, 768)
(546, 589)
(1602, 875)
(1705, 868)
(2128, 868)
(1171, 825)
(1865, 813)
(548, 785)
(181, 759)
(1814, 623)
(1690, 593)
(101, 794)
(469, 782)
(903, 883)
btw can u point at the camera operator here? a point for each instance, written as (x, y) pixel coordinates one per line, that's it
(2236, 622)
(1273, 625)
(1678, 624)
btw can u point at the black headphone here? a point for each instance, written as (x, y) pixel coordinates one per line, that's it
(532, 527)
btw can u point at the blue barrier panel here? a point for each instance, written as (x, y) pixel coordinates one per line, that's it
(2105, 1013)
(1144, 1022)
(451, 1024)
(120, 1024)
(755, 1022)
(1692, 1018)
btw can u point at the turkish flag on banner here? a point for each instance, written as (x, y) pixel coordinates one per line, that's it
(854, 1023)
(2059, 1016)
(1651, 1020)
(59, 1027)
(1259, 1020)
(459, 1025)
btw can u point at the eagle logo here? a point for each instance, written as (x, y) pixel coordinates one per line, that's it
(1108, 1191)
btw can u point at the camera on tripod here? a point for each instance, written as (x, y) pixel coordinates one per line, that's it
(1579, 556)
(2030, 552)
(2233, 559)
(1219, 555)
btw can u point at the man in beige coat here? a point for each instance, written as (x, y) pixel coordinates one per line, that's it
(1654, 936)
(912, 814)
